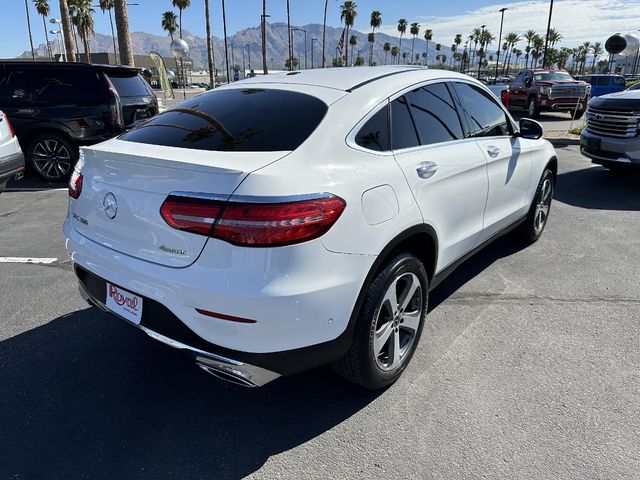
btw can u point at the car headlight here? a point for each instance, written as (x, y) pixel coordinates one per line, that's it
(545, 90)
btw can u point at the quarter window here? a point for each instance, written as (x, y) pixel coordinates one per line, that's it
(434, 114)
(484, 117)
(403, 131)
(374, 135)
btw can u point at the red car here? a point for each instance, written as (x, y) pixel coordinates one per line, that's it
(545, 90)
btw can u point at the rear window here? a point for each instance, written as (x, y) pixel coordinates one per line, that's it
(619, 81)
(243, 120)
(130, 86)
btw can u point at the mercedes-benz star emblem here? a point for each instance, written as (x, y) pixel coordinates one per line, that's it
(110, 205)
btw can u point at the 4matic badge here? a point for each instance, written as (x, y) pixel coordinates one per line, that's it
(175, 251)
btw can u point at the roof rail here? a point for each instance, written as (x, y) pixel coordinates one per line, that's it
(362, 84)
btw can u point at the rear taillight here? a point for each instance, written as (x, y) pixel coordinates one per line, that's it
(115, 105)
(75, 184)
(254, 224)
(504, 96)
(6, 119)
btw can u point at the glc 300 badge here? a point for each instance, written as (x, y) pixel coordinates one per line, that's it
(175, 251)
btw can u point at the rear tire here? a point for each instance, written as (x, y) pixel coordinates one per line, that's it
(388, 325)
(52, 156)
(531, 230)
(532, 108)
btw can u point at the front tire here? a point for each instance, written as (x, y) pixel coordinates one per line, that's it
(532, 108)
(531, 230)
(52, 156)
(388, 325)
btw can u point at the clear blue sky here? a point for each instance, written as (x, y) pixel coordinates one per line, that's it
(578, 20)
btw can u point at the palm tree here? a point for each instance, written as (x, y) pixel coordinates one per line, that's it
(264, 36)
(371, 38)
(122, 27)
(475, 37)
(404, 57)
(181, 5)
(454, 47)
(415, 30)
(597, 50)
(33, 52)
(353, 41)
(348, 16)
(554, 37)
(324, 31)
(510, 39)
(538, 45)
(586, 46)
(428, 35)
(394, 53)
(386, 47)
(518, 54)
(107, 5)
(529, 37)
(212, 71)
(170, 23)
(402, 28)
(83, 20)
(42, 7)
(73, 5)
(67, 31)
(438, 48)
(375, 22)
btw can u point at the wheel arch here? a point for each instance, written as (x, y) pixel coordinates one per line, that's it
(27, 137)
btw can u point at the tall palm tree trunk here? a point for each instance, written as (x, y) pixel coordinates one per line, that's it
(180, 14)
(289, 36)
(33, 53)
(324, 32)
(75, 40)
(124, 37)
(264, 36)
(67, 31)
(113, 37)
(209, 49)
(226, 42)
(46, 36)
(346, 44)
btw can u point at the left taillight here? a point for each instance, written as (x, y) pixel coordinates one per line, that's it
(75, 182)
(12, 132)
(255, 224)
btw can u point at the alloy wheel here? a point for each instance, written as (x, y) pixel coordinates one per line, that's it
(543, 205)
(52, 159)
(397, 321)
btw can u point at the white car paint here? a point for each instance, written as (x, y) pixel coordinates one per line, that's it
(299, 295)
(11, 158)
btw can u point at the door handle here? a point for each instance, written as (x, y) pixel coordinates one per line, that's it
(493, 151)
(426, 169)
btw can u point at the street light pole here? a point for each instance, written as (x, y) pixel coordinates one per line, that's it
(502, 10)
(312, 40)
(546, 41)
(263, 17)
(249, 55)
(226, 48)
(296, 29)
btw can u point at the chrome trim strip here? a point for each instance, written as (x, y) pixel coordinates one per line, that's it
(251, 375)
(254, 198)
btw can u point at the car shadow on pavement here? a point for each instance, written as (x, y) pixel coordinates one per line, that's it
(87, 396)
(597, 188)
(500, 248)
(32, 183)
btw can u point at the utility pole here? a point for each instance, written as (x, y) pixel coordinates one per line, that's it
(546, 41)
(226, 48)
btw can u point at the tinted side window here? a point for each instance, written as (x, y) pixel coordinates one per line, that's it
(619, 81)
(602, 81)
(483, 115)
(238, 119)
(15, 85)
(131, 86)
(519, 79)
(403, 132)
(64, 85)
(434, 114)
(374, 135)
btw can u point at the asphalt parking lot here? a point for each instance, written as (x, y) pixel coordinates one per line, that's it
(529, 367)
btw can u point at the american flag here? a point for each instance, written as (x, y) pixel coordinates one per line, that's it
(341, 42)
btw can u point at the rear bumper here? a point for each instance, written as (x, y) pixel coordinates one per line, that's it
(11, 166)
(621, 151)
(302, 302)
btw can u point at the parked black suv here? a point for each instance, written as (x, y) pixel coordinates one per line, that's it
(57, 107)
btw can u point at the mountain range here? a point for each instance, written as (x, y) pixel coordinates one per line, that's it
(277, 46)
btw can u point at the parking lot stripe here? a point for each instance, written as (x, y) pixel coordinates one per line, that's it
(26, 260)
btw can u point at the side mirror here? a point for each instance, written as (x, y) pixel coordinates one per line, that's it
(528, 81)
(530, 129)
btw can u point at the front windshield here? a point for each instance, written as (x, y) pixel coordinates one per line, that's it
(546, 76)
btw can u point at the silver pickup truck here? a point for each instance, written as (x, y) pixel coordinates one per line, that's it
(612, 135)
(11, 158)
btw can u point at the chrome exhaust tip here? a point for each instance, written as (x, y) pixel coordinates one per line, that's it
(227, 376)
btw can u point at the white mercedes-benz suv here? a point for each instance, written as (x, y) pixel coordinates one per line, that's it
(300, 219)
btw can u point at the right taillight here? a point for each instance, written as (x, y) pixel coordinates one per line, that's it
(75, 184)
(12, 133)
(255, 224)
